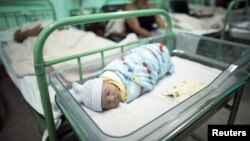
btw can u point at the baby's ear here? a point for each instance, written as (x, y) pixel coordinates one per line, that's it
(77, 87)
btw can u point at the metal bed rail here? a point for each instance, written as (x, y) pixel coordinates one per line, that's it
(16, 13)
(228, 17)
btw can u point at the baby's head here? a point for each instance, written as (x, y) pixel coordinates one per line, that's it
(97, 94)
(111, 96)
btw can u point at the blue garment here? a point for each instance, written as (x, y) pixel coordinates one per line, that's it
(141, 68)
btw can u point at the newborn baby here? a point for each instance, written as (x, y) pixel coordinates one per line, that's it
(125, 78)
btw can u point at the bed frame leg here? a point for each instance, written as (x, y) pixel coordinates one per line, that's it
(235, 106)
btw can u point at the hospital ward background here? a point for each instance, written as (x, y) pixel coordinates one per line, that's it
(208, 42)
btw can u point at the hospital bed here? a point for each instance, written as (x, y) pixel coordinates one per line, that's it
(154, 116)
(196, 17)
(17, 58)
(237, 21)
(12, 16)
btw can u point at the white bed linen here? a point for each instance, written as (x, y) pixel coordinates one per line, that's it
(5, 60)
(189, 24)
(59, 44)
(129, 117)
(241, 33)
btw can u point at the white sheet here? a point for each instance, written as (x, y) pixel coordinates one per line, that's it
(6, 61)
(129, 117)
(241, 33)
(189, 24)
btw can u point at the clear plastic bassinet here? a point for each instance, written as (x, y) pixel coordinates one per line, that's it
(227, 62)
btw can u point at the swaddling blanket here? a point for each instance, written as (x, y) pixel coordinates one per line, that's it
(141, 68)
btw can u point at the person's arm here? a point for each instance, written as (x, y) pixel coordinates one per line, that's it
(159, 21)
(21, 36)
(134, 24)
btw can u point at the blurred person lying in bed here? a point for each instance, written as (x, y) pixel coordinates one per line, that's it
(20, 36)
(60, 43)
(31, 29)
(125, 78)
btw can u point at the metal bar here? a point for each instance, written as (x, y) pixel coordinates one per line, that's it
(44, 14)
(122, 49)
(71, 57)
(6, 19)
(49, 119)
(16, 19)
(102, 56)
(197, 137)
(235, 106)
(228, 16)
(34, 16)
(79, 67)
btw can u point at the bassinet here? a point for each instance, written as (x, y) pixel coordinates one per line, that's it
(228, 61)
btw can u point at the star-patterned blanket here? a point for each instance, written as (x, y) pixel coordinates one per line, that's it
(141, 68)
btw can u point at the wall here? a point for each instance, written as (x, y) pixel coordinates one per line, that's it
(63, 7)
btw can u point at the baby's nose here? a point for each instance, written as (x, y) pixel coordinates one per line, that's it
(112, 98)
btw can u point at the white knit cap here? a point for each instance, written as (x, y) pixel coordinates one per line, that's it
(89, 93)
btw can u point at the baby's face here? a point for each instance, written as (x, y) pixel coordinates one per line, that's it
(110, 96)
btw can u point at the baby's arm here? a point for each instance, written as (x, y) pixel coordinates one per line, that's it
(134, 24)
